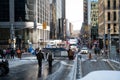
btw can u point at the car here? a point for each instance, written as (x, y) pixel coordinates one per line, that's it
(74, 47)
(4, 67)
(84, 50)
(58, 52)
(102, 75)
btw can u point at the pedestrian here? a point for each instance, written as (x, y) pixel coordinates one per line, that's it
(102, 52)
(12, 53)
(8, 53)
(95, 50)
(98, 51)
(39, 56)
(50, 59)
(19, 54)
(4, 53)
(70, 54)
(106, 53)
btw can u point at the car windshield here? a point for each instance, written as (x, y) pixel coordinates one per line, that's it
(73, 45)
(84, 48)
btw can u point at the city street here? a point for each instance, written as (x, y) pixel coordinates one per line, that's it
(86, 65)
(62, 69)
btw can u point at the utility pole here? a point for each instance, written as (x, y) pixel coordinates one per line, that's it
(12, 37)
(109, 44)
(119, 30)
(104, 26)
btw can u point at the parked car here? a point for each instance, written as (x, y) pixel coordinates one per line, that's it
(84, 50)
(4, 67)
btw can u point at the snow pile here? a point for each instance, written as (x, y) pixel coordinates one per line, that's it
(102, 75)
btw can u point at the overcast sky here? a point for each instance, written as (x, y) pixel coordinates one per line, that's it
(74, 13)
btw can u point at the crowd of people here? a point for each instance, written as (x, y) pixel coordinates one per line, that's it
(10, 53)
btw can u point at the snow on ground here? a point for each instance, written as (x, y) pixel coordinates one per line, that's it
(16, 62)
(102, 75)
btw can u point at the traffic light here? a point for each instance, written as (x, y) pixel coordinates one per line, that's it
(44, 25)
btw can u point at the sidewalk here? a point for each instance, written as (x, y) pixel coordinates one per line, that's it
(114, 59)
(24, 60)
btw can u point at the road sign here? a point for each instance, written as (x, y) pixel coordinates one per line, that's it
(44, 25)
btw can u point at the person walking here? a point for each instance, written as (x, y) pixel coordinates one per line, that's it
(12, 53)
(18, 51)
(50, 59)
(70, 54)
(39, 56)
(4, 53)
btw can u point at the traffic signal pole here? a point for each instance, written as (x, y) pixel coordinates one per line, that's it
(12, 37)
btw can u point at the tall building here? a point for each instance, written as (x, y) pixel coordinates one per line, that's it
(94, 20)
(109, 18)
(85, 30)
(57, 19)
(26, 17)
(85, 11)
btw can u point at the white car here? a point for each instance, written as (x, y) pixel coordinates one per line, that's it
(74, 47)
(84, 50)
(102, 75)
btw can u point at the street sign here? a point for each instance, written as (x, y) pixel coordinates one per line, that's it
(44, 25)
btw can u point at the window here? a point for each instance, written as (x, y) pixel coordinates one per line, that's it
(114, 4)
(114, 16)
(108, 16)
(108, 26)
(19, 10)
(108, 4)
(114, 27)
(119, 4)
(4, 11)
(24, 10)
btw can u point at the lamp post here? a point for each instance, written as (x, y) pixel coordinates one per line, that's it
(12, 37)
(104, 25)
(119, 30)
(109, 44)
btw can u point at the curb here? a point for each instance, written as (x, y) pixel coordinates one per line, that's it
(75, 68)
(110, 65)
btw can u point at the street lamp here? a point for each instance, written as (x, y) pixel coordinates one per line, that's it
(12, 37)
(109, 44)
(119, 30)
(104, 26)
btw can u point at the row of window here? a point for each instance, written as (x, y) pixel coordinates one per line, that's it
(24, 11)
(114, 3)
(4, 10)
(114, 16)
(114, 27)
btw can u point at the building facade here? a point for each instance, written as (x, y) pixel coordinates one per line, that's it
(57, 19)
(109, 17)
(94, 20)
(26, 17)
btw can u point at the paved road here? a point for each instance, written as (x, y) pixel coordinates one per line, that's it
(94, 65)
